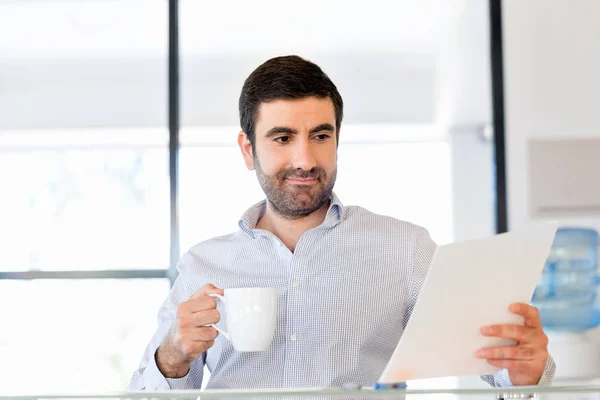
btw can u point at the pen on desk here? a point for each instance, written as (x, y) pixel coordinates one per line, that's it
(376, 386)
(395, 385)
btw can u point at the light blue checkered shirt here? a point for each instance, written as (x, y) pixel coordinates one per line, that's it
(345, 296)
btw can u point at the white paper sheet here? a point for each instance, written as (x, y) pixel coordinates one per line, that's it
(469, 285)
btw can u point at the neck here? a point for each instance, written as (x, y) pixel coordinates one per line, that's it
(289, 230)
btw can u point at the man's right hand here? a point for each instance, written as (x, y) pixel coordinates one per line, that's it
(189, 337)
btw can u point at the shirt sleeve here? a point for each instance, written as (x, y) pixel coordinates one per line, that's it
(424, 250)
(148, 376)
(501, 379)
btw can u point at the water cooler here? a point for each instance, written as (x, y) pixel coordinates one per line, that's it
(567, 298)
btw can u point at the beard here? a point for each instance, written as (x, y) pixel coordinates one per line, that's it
(296, 201)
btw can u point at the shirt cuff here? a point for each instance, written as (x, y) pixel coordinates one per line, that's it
(548, 374)
(178, 383)
(505, 378)
(155, 380)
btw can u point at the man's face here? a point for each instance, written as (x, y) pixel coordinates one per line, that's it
(295, 154)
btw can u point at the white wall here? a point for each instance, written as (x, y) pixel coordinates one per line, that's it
(551, 84)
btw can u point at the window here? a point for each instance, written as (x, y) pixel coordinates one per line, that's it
(84, 199)
(75, 336)
(393, 81)
(84, 187)
(87, 171)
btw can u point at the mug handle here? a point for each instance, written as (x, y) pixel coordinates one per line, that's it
(221, 331)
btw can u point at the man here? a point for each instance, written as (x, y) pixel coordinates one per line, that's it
(347, 279)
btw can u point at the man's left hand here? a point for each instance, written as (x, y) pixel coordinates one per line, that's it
(525, 361)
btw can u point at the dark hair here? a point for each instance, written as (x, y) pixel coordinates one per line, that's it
(287, 77)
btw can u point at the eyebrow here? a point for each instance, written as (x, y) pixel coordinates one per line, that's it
(282, 129)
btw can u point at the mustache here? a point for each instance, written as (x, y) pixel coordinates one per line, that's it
(313, 173)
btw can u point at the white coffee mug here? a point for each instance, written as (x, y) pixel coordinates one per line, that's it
(251, 316)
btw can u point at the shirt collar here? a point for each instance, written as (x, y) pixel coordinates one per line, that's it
(250, 218)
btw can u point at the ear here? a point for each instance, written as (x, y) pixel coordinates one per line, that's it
(246, 148)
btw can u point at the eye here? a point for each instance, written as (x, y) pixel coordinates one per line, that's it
(322, 136)
(282, 139)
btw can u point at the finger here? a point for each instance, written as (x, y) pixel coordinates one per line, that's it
(508, 364)
(206, 290)
(201, 304)
(199, 318)
(206, 317)
(187, 308)
(203, 334)
(519, 333)
(531, 314)
(524, 353)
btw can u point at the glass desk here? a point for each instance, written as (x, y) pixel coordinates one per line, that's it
(547, 393)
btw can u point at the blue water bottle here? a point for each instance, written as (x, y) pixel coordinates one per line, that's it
(566, 294)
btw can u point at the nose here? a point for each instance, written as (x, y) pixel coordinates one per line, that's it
(303, 157)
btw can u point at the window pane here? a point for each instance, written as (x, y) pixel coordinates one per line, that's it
(74, 207)
(75, 336)
(80, 64)
(83, 135)
(390, 81)
(411, 63)
(385, 70)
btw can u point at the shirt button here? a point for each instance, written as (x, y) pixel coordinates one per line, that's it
(293, 338)
(296, 284)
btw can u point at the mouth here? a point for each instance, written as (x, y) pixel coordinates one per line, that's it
(302, 181)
